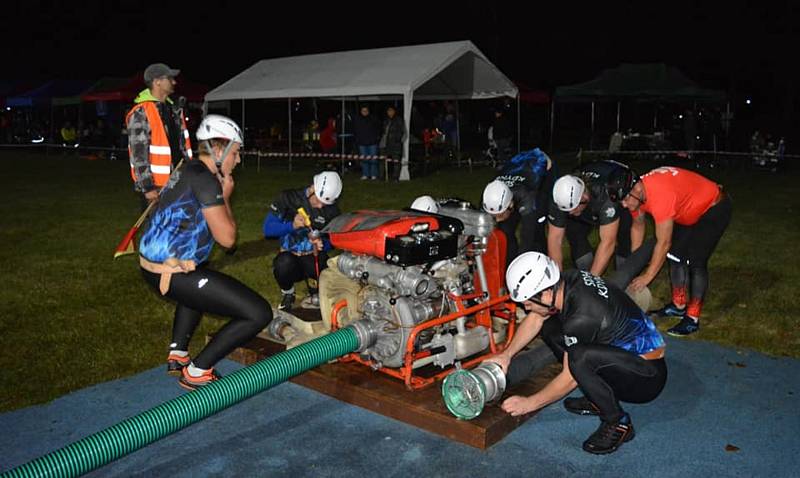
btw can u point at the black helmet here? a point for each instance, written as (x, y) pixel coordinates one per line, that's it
(620, 183)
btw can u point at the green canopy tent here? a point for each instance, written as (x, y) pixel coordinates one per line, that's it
(650, 82)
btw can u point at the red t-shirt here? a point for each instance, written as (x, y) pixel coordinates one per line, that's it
(677, 194)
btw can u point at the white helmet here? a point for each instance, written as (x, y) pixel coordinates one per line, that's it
(218, 126)
(529, 274)
(496, 197)
(327, 186)
(567, 192)
(425, 204)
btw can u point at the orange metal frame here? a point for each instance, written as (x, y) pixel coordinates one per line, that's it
(481, 317)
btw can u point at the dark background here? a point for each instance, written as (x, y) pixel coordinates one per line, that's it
(744, 48)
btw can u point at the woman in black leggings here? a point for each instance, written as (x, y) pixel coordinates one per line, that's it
(194, 212)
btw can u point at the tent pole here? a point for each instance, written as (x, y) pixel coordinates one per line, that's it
(52, 138)
(618, 109)
(655, 117)
(342, 135)
(458, 134)
(244, 131)
(552, 120)
(518, 127)
(407, 100)
(591, 135)
(289, 136)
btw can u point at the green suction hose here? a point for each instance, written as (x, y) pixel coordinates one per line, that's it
(138, 431)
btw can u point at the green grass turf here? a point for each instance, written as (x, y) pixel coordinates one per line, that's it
(70, 316)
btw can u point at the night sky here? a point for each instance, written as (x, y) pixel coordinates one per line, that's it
(745, 48)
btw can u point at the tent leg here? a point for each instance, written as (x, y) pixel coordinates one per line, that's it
(243, 126)
(552, 121)
(458, 135)
(591, 134)
(407, 99)
(343, 131)
(289, 136)
(518, 125)
(618, 109)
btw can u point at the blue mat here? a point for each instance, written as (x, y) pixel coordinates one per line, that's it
(714, 397)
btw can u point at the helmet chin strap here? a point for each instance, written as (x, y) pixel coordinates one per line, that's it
(551, 307)
(218, 161)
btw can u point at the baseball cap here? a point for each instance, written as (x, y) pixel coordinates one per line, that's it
(157, 70)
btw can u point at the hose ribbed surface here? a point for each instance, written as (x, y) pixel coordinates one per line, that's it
(138, 431)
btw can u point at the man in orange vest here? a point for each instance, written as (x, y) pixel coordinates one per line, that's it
(157, 134)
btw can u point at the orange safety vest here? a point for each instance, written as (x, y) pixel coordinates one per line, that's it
(160, 152)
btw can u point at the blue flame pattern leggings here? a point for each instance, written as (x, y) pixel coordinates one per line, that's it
(209, 291)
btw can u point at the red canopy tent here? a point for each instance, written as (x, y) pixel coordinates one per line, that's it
(532, 96)
(125, 90)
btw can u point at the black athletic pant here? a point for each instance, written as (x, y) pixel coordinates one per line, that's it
(608, 375)
(289, 268)
(692, 246)
(509, 228)
(532, 237)
(206, 290)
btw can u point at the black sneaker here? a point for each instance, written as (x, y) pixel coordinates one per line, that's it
(669, 310)
(175, 363)
(610, 436)
(686, 326)
(287, 301)
(581, 406)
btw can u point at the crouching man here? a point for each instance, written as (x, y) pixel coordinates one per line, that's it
(295, 217)
(608, 346)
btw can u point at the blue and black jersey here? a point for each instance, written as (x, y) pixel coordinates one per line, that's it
(178, 229)
(524, 175)
(278, 222)
(596, 312)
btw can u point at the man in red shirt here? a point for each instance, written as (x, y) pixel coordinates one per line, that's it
(691, 213)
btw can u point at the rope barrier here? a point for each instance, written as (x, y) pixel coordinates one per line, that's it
(692, 152)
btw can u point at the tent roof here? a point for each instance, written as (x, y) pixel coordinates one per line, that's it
(646, 81)
(433, 71)
(126, 89)
(45, 92)
(74, 99)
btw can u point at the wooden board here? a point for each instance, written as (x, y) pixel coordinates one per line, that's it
(359, 385)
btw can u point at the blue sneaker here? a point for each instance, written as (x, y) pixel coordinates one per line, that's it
(669, 310)
(686, 326)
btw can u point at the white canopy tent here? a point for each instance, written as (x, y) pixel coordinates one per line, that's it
(452, 70)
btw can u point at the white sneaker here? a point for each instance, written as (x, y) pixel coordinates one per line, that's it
(363, 178)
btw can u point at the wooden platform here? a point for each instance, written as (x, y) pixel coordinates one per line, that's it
(359, 385)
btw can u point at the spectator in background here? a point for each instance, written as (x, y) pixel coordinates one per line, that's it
(394, 133)
(69, 135)
(157, 134)
(502, 135)
(311, 135)
(367, 132)
(450, 127)
(327, 138)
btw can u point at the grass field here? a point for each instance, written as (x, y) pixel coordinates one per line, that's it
(70, 316)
